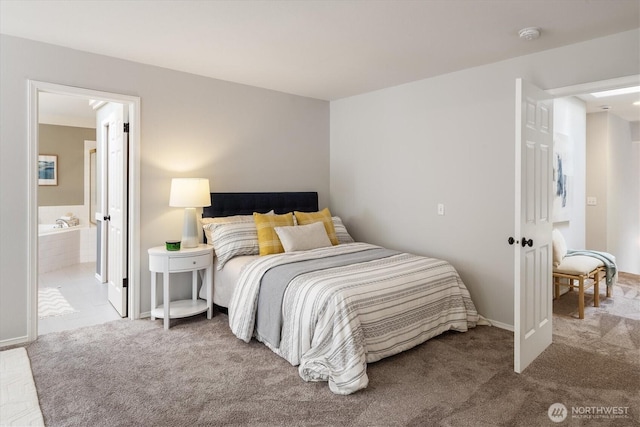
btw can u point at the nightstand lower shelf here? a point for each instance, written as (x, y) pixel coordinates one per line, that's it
(181, 308)
(198, 260)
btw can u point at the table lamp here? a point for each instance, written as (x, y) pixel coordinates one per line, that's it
(190, 193)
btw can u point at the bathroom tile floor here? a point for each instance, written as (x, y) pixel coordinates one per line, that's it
(82, 291)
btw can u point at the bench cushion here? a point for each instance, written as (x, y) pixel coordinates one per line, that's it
(578, 265)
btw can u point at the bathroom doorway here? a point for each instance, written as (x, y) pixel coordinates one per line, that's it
(70, 288)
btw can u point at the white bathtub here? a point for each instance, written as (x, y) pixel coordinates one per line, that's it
(53, 228)
(62, 247)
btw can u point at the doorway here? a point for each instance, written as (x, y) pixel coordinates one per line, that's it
(131, 238)
(559, 93)
(599, 131)
(601, 119)
(72, 291)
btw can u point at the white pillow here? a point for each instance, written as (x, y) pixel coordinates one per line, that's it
(303, 237)
(559, 247)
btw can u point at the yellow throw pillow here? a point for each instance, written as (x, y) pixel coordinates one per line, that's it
(323, 216)
(268, 240)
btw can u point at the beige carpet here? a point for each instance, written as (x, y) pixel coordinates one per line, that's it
(624, 301)
(127, 373)
(611, 327)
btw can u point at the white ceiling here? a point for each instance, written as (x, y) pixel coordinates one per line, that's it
(620, 105)
(54, 109)
(327, 49)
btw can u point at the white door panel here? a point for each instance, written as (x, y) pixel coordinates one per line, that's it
(533, 298)
(116, 183)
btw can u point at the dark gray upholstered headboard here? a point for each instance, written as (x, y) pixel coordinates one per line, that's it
(227, 204)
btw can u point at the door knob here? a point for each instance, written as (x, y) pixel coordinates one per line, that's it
(526, 242)
(511, 240)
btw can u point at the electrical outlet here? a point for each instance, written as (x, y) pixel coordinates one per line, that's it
(592, 201)
(440, 209)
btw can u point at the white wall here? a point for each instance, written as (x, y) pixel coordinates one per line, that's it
(597, 161)
(635, 131)
(570, 119)
(613, 225)
(242, 138)
(398, 152)
(623, 212)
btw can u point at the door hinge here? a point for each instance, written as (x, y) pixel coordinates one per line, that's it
(125, 283)
(126, 127)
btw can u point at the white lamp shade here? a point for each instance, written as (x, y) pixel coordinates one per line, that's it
(189, 193)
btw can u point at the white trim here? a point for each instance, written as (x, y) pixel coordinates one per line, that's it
(14, 341)
(88, 146)
(584, 88)
(501, 325)
(517, 224)
(134, 209)
(133, 103)
(32, 214)
(101, 147)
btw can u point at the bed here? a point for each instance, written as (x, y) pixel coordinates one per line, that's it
(327, 304)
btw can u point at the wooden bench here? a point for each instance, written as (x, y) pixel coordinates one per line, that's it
(580, 268)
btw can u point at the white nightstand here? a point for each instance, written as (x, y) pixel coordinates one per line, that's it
(166, 262)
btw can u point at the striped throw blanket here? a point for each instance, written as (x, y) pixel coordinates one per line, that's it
(607, 259)
(336, 320)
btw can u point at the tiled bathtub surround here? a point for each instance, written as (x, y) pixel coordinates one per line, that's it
(49, 214)
(63, 247)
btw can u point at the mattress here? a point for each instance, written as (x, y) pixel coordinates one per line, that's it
(225, 280)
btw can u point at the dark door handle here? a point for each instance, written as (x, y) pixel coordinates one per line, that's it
(511, 240)
(526, 242)
(108, 218)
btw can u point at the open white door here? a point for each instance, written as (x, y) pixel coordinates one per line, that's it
(533, 309)
(115, 215)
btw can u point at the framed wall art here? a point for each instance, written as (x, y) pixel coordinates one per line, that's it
(47, 169)
(562, 176)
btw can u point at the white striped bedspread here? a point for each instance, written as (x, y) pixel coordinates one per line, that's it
(337, 320)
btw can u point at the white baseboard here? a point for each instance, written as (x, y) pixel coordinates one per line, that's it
(501, 325)
(14, 341)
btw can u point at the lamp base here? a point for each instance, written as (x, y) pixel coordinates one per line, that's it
(190, 235)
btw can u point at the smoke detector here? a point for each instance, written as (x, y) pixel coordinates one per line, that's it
(530, 33)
